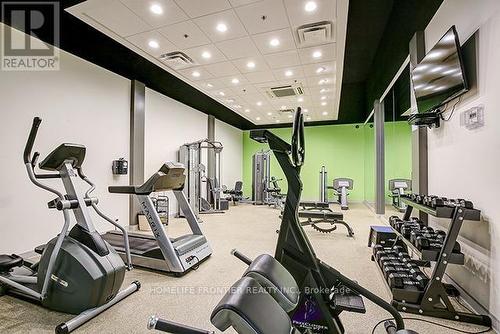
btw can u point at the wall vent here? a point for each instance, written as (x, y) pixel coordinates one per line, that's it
(315, 33)
(177, 60)
(285, 91)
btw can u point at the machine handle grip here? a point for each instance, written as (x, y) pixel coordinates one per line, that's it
(173, 327)
(241, 256)
(31, 139)
(122, 189)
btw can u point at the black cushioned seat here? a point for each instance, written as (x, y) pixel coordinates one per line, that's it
(7, 262)
(276, 280)
(249, 309)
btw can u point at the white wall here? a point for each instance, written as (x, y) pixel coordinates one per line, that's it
(232, 153)
(169, 124)
(465, 163)
(80, 103)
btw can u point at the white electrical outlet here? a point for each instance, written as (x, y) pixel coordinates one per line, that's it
(473, 118)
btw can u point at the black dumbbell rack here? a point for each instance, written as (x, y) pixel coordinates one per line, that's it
(435, 301)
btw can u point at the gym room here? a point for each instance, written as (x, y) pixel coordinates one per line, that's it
(249, 166)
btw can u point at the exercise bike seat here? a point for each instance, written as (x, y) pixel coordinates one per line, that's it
(249, 309)
(7, 262)
(277, 281)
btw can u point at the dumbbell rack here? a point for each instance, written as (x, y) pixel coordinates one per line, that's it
(435, 301)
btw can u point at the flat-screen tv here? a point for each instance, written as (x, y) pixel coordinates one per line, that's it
(440, 76)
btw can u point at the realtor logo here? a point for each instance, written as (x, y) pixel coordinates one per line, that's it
(30, 36)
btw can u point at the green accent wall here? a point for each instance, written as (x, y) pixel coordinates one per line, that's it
(345, 151)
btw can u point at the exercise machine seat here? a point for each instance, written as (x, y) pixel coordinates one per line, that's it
(249, 309)
(7, 262)
(280, 284)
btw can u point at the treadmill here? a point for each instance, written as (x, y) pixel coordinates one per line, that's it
(157, 251)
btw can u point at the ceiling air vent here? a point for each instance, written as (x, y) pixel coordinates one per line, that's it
(287, 111)
(285, 91)
(176, 60)
(315, 33)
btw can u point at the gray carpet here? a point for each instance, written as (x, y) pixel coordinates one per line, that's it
(190, 299)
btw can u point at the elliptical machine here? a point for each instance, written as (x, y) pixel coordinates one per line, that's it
(293, 292)
(78, 272)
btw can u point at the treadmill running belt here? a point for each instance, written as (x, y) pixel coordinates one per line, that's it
(138, 246)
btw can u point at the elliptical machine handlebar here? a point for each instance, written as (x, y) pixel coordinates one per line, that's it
(31, 140)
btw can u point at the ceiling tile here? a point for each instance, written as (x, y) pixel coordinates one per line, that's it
(171, 12)
(312, 70)
(237, 3)
(325, 11)
(283, 36)
(185, 35)
(282, 59)
(210, 85)
(257, 64)
(323, 89)
(234, 81)
(222, 69)
(190, 73)
(252, 16)
(246, 90)
(142, 41)
(321, 81)
(210, 23)
(118, 18)
(258, 77)
(198, 54)
(289, 73)
(238, 48)
(195, 8)
(317, 54)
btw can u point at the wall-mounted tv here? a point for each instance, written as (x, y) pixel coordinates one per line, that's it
(440, 76)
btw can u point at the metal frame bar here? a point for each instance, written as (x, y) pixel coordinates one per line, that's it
(379, 116)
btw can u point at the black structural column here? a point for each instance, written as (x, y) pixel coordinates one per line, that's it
(419, 135)
(137, 124)
(378, 117)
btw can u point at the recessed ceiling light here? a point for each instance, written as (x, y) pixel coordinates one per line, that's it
(320, 69)
(237, 106)
(257, 118)
(288, 73)
(305, 110)
(300, 99)
(156, 9)
(247, 110)
(323, 97)
(278, 121)
(221, 27)
(283, 107)
(235, 81)
(290, 116)
(324, 113)
(259, 103)
(196, 74)
(308, 118)
(323, 81)
(317, 54)
(153, 44)
(209, 85)
(323, 103)
(221, 93)
(274, 42)
(269, 113)
(230, 100)
(310, 6)
(322, 90)
(206, 54)
(251, 64)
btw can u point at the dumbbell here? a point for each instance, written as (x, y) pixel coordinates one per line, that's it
(398, 258)
(428, 200)
(428, 233)
(386, 251)
(406, 229)
(438, 202)
(426, 244)
(392, 219)
(409, 267)
(407, 281)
